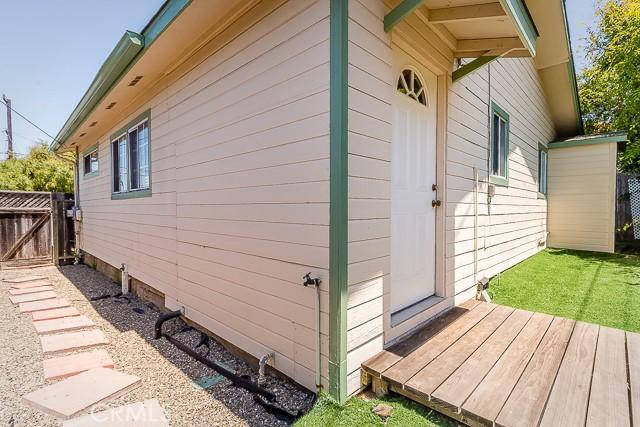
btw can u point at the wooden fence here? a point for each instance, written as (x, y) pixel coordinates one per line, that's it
(625, 240)
(35, 228)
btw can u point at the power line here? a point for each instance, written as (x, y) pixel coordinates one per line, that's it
(28, 121)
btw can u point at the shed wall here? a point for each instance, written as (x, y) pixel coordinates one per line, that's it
(582, 191)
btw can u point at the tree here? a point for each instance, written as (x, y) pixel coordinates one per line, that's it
(40, 170)
(610, 84)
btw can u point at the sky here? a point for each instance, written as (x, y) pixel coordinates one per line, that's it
(52, 49)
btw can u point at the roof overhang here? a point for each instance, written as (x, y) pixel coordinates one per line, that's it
(140, 60)
(620, 138)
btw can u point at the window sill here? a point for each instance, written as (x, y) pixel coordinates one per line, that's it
(131, 194)
(90, 175)
(498, 180)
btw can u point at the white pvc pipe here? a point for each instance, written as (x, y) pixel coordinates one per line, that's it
(318, 340)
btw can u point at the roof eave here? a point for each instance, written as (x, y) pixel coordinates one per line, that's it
(124, 55)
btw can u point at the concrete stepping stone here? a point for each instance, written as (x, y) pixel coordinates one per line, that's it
(30, 307)
(62, 324)
(33, 284)
(72, 341)
(38, 296)
(142, 414)
(24, 279)
(65, 366)
(68, 397)
(30, 290)
(55, 313)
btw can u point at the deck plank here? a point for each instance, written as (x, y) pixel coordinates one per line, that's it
(609, 400)
(455, 390)
(389, 357)
(436, 372)
(633, 355)
(402, 371)
(526, 403)
(488, 398)
(568, 401)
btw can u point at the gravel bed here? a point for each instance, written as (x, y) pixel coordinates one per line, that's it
(167, 373)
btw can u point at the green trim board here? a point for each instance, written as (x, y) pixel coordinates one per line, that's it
(571, 69)
(338, 223)
(84, 154)
(502, 181)
(131, 194)
(472, 66)
(605, 138)
(131, 47)
(400, 12)
(525, 26)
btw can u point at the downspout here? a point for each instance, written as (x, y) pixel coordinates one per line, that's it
(475, 225)
(76, 198)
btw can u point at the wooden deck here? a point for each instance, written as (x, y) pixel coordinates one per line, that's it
(485, 364)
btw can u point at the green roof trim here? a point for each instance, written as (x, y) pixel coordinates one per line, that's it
(571, 69)
(604, 138)
(124, 55)
(471, 67)
(520, 15)
(400, 12)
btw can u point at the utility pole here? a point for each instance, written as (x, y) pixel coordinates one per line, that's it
(7, 102)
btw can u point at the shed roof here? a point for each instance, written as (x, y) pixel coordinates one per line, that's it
(601, 138)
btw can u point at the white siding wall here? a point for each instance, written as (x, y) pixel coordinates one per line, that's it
(240, 178)
(582, 192)
(511, 227)
(370, 94)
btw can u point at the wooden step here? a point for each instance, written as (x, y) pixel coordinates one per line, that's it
(24, 279)
(142, 414)
(30, 307)
(38, 296)
(32, 284)
(30, 290)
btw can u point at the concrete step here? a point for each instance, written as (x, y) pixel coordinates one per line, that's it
(65, 366)
(72, 395)
(62, 324)
(30, 307)
(55, 313)
(32, 284)
(30, 290)
(38, 296)
(72, 341)
(142, 414)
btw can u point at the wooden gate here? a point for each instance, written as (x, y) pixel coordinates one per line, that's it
(34, 228)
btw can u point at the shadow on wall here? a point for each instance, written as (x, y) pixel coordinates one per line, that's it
(131, 314)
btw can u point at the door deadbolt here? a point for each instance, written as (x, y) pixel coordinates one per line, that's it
(436, 203)
(434, 187)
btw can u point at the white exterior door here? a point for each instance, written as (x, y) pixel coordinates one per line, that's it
(413, 165)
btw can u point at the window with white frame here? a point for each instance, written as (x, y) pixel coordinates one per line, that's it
(130, 152)
(499, 146)
(543, 160)
(90, 162)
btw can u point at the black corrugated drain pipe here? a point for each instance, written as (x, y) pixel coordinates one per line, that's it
(235, 379)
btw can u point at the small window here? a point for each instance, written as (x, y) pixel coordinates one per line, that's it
(409, 84)
(91, 164)
(499, 146)
(543, 160)
(130, 153)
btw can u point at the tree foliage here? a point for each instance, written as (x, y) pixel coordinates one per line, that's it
(40, 170)
(610, 84)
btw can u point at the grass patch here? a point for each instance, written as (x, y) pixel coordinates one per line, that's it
(357, 412)
(590, 286)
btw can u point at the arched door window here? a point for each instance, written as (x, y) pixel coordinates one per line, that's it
(410, 84)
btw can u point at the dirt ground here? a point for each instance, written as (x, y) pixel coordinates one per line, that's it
(167, 373)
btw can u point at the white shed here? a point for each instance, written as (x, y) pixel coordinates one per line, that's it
(582, 192)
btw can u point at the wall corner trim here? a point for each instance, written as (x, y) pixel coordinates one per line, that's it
(338, 227)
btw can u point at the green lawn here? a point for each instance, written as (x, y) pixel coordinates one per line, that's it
(357, 412)
(589, 286)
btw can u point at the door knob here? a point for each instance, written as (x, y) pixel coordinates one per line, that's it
(436, 203)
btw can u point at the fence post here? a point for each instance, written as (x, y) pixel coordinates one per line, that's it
(55, 237)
